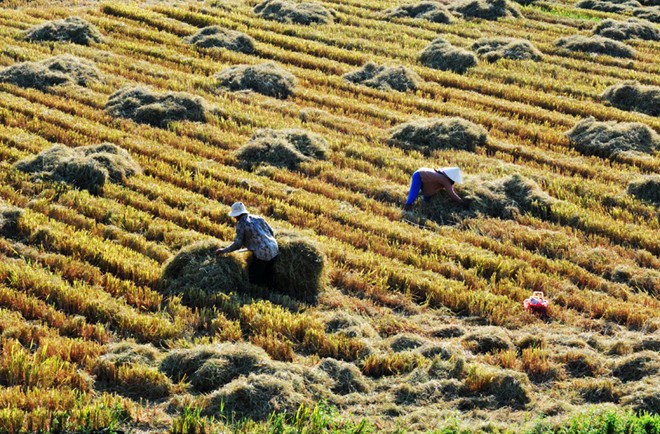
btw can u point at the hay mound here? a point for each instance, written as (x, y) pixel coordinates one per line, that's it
(633, 96)
(345, 377)
(293, 13)
(54, 71)
(350, 326)
(650, 14)
(493, 49)
(86, 167)
(300, 266)
(609, 6)
(646, 189)
(502, 198)
(644, 401)
(9, 217)
(487, 342)
(213, 366)
(196, 273)
(428, 135)
(157, 109)
(256, 397)
(426, 10)
(596, 391)
(130, 353)
(440, 54)
(71, 29)
(606, 139)
(266, 78)
(405, 342)
(287, 148)
(486, 9)
(427, 393)
(448, 331)
(505, 387)
(637, 366)
(385, 77)
(629, 29)
(218, 37)
(596, 45)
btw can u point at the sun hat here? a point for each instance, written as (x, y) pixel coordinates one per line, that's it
(237, 209)
(453, 173)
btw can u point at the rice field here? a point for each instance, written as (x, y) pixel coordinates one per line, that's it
(419, 325)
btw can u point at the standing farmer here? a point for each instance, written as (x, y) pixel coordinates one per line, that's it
(431, 181)
(253, 233)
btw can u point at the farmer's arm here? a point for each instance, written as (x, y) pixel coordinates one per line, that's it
(450, 190)
(238, 240)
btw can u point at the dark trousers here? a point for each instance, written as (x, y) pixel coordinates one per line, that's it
(262, 272)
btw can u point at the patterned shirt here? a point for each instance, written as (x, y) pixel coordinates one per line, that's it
(257, 236)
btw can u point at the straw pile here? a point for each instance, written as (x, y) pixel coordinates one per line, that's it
(266, 78)
(219, 37)
(383, 77)
(607, 139)
(294, 13)
(426, 10)
(71, 29)
(428, 135)
(59, 70)
(197, 274)
(440, 54)
(493, 49)
(596, 45)
(632, 96)
(86, 167)
(158, 109)
(287, 148)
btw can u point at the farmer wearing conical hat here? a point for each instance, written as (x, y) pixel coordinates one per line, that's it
(253, 233)
(431, 181)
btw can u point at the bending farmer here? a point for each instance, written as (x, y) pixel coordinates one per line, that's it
(253, 233)
(431, 181)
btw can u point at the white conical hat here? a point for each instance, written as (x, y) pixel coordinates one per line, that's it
(454, 173)
(237, 209)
